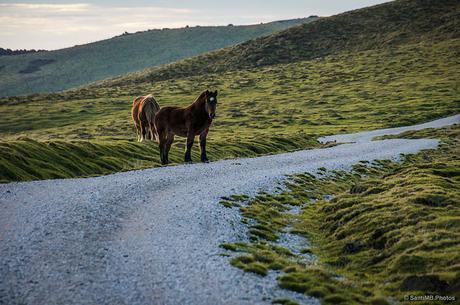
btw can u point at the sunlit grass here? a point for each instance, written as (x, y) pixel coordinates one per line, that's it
(261, 111)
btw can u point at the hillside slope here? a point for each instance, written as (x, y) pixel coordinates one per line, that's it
(389, 24)
(79, 65)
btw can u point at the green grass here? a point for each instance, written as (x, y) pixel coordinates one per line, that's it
(378, 27)
(79, 65)
(261, 111)
(390, 229)
(26, 159)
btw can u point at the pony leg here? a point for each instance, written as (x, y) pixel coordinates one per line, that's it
(169, 141)
(141, 135)
(145, 131)
(149, 132)
(138, 133)
(153, 132)
(163, 154)
(188, 152)
(162, 146)
(203, 136)
(156, 131)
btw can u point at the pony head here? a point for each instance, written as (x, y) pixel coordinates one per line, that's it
(211, 103)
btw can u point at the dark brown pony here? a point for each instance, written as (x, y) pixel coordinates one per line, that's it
(143, 113)
(186, 122)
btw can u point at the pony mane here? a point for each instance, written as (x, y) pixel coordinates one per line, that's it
(149, 98)
(200, 97)
(202, 94)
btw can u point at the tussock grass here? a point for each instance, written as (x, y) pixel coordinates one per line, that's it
(27, 159)
(389, 230)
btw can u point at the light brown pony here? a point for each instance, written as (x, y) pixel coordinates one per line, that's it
(186, 122)
(143, 112)
(135, 115)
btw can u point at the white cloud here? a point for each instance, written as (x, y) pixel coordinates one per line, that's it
(76, 7)
(53, 26)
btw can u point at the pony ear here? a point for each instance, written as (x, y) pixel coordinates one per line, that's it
(207, 92)
(215, 93)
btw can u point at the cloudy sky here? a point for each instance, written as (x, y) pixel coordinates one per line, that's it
(47, 24)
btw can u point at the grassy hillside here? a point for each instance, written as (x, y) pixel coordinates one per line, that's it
(385, 231)
(261, 110)
(264, 110)
(79, 65)
(382, 26)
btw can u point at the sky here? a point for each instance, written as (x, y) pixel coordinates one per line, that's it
(48, 24)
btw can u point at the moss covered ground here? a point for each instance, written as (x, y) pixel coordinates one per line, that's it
(380, 233)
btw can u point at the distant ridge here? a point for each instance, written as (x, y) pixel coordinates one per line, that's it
(79, 65)
(9, 52)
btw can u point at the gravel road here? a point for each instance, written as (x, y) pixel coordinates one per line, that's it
(152, 236)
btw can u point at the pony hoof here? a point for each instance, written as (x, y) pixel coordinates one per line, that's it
(205, 160)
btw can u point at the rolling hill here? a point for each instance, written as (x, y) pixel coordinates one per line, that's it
(382, 26)
(79, 65)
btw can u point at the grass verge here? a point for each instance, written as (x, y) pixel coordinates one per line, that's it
(26, 159)
(379, 233)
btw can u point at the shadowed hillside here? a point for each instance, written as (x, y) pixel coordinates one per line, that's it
(79, 65)
(9, 52)
(376, 27)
